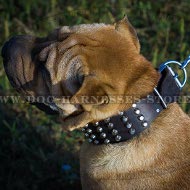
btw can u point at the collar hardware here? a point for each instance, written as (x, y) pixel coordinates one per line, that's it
(182, 66)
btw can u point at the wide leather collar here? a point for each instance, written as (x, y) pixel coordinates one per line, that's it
(130, 123)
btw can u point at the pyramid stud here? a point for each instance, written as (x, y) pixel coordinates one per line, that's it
(118, 138)
(96, 142)
(124, 119)
(103, 135)
(90, 140)
(96, 124)
(137, 111)
(83, 129)
(141, 117)
(106, 141)
(144, 124)
(121, 113)
(99, 129)
(86, 125)
(89, 131)
(129, 125)
(134, 105)
(110, 126)
(92, 136)
(107, 120)
(132, 131)
(86, 135)
(114, 132)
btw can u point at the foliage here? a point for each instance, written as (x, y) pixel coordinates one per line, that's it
(34, 153)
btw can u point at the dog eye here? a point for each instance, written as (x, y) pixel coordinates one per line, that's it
(80, 75)
(80, 78)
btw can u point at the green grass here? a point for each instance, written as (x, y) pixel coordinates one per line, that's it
(34, 153)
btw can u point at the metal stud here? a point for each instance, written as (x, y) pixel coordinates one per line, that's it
(107, 120)
(110, 126)
(157, 110)
(129, 125)
(132, 131)
(96, 142)
(144, 124)
(86, 135)
(90, 140)
(118, 138)
(83, 129)
(99, 129)
(106, 141)
(141, 117)
(134, 105)
(114, 132)
(124, 119)
(86, 125)
(103, 135)
(148, 96)
(92, 136)
(96, 124)
(137, 111)
(89, 131)
(121, 113)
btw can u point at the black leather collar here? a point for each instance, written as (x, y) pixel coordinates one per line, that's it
(130, 123)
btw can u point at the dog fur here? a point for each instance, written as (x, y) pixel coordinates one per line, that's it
(104, 60)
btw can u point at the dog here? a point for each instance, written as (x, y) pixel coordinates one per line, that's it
(100, 60)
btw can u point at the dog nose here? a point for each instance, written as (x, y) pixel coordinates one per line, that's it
(13, 53)
(14, 46)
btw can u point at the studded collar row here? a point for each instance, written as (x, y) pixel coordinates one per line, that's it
(130, 123)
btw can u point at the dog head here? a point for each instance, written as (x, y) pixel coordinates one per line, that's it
(82, 68)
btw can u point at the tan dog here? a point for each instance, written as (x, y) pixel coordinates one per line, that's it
(104, 60)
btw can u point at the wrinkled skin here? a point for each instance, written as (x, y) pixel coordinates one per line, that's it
(103, 60)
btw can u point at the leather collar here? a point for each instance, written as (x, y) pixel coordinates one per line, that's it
(130, 123)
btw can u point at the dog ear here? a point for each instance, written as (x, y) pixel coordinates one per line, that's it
(126, 29)
(90, 94)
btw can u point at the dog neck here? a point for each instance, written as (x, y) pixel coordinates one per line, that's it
(132, 122)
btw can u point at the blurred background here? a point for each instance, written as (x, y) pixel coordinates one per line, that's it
(34, 153)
